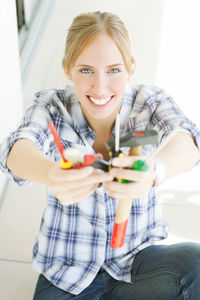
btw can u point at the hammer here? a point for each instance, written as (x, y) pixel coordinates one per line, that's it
(134, 140)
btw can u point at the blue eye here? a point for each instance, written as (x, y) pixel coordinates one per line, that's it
(85, 71)
(114, 70)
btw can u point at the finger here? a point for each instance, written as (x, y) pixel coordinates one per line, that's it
(72, 187)
(128, 190)
(116, 195)
(73, 174)
(121, 194)
(85, 182)
(76, 196)
(125, 161)
(99, 156)
(92, 179)
(123, 188)
(132, 175)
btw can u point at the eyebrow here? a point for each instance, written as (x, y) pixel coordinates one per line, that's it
(115, 65)
(110, 66)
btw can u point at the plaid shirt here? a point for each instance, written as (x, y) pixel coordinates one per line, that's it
(74, 241)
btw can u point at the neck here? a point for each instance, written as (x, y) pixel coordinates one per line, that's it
(102, 128)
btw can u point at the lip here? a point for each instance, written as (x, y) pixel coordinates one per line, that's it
(101, 98)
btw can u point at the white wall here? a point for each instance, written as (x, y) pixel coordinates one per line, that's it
(11, 95)
(29, 8)
(142, 17)
(179, 59)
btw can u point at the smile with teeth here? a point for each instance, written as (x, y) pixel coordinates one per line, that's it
(100, 102)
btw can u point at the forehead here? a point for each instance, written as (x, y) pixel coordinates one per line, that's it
(103, 51)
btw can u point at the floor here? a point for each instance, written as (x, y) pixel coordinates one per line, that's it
(21, 208)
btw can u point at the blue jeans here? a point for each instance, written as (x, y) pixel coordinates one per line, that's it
(159, 272)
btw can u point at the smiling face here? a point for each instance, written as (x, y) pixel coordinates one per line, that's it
(99, 76)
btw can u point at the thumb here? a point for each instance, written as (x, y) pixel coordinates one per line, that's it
(99, 155)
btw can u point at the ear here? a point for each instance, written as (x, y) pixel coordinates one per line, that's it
(68, 74)
(132, 70)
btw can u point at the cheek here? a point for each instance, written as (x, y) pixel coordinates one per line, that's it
(119, 83)
(81, 84)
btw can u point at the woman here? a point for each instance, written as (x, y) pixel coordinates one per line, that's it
(72, 250)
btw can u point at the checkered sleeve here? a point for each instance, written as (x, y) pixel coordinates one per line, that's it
(33, 127)
(167, 116)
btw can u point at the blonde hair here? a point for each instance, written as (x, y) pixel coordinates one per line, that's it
(87, 27)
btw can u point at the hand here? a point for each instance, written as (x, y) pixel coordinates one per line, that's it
(72, 185)
(142, 180)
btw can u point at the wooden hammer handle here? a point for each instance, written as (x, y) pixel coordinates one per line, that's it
(123, 212)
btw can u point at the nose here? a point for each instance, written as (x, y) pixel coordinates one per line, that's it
(100, 83)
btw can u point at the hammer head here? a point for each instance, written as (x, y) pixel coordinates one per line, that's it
(136, 138)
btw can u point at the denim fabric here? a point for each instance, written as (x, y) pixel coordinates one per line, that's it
(159, 272)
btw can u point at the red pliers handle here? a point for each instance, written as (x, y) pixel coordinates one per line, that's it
(89, 159)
